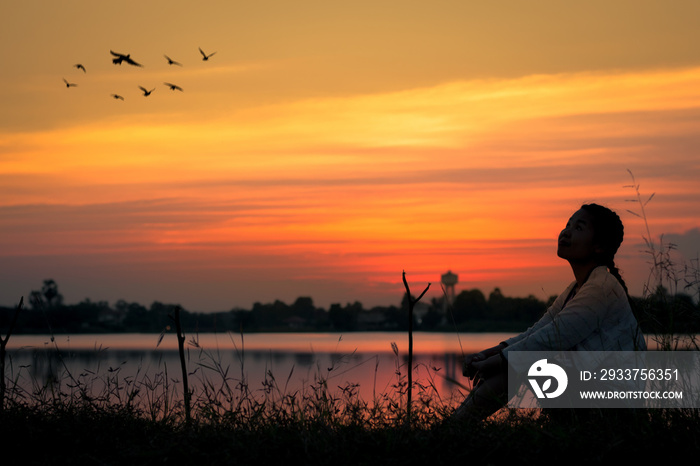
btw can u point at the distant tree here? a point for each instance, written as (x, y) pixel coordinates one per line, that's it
(47, 297)
(36, 300)
(303, 307)
(470, 304)
(529, 309)
(513, 310)
(136, 316)
(243, 320)
(345, 318)
(50, 292)
(665, 313)
(498, 304)
(159, 316)
(84, 316)
(394, 317)
(402, 319)
(431, 319)
(269, 316)
(405, 301)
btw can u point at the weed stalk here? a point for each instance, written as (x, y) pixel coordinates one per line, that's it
(183, 364)
(411, 304)
(3, 353)
(663, 270)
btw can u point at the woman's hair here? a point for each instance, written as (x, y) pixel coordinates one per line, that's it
(608, 232)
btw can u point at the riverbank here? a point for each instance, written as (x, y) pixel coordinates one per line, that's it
(85, 416)
(80, 435)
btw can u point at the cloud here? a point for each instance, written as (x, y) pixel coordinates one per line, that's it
(477, 176)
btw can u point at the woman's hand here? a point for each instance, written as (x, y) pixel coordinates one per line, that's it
(470, 369)
(487, 368)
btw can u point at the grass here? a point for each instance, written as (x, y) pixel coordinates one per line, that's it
(102, 417)
(83, 435)
(669, 304)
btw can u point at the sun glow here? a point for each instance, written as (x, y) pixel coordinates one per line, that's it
(474, 176)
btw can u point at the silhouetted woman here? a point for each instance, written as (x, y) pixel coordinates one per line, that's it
(592, 314)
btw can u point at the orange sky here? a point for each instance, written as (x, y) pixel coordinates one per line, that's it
(323, 149)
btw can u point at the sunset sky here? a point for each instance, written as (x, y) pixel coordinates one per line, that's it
(328, 146)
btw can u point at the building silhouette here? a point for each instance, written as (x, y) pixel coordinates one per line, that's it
(448, 280)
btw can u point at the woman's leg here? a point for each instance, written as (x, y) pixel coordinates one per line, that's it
(486, 398)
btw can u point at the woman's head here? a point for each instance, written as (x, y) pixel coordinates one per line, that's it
(608, 231)
(594, 233)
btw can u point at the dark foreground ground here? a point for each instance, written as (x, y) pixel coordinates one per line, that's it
(86, 436)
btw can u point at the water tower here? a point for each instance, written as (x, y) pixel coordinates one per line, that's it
(449, 280)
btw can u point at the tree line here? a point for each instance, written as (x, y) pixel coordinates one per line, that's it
(470, 311)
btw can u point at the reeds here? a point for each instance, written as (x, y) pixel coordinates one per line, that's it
(142, 418)
(183, 365)
(662, 307)
(221, 394)
(411, 304)
(235, 423)
(3, 353)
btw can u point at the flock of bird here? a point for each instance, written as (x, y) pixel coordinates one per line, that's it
(119, 58)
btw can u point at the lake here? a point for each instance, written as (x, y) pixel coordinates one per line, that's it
(283, 363)
(293, 361)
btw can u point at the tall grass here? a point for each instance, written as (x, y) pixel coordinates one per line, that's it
(3, 353)
(103, 417)
(411, 304)
(222, 394)
(662, 306)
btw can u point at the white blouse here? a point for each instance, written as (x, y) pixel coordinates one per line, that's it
(597, 318)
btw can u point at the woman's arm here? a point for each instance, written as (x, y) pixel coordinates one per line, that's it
(583, 315)
(469, 370)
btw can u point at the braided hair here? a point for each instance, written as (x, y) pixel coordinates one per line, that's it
(608, 233)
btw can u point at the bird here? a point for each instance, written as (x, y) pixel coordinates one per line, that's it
(171, 61)
(173, 87)
(117, 96)
(146, 92)
(69, 84)
(205, 57)
(121, 58)
(80, 67)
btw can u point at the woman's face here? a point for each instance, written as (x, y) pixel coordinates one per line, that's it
(576, 240)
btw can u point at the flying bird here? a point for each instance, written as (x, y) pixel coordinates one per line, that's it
(69, 84)
(146, 92)
(80, 67)
(117, 96)
(173, 87)
(123, 58)
(171, 61)
(205, 57)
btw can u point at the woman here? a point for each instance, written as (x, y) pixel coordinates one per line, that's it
(592, 314)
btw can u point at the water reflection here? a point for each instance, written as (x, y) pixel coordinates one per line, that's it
(81, 362)
(111, 366)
